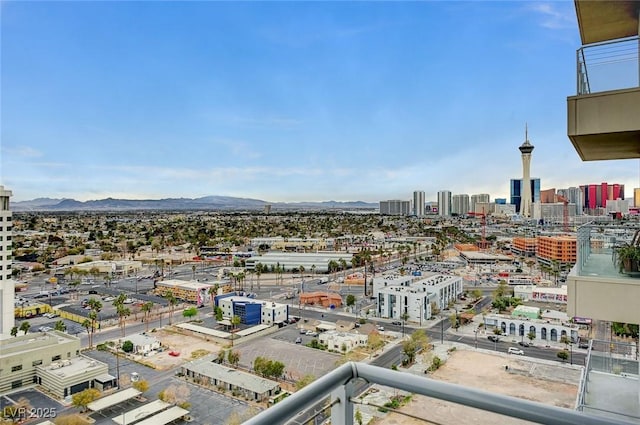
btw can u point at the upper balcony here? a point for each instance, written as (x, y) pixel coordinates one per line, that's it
(596, 288)
(604, 116)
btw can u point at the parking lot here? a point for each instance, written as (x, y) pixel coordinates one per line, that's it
(298, 359)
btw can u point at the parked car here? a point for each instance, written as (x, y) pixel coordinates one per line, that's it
(303, 331)
(381, 328)
(174, 353)
(298, 340)
(494, 338)
(396, 322)
(514, 350)
(312, 333)
(45, 329)
(524, 343)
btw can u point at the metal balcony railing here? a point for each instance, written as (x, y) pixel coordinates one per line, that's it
(340, 385)
(608, 66)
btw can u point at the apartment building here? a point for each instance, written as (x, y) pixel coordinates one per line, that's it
(602, 125)
(7, 288)
(524, 247)
(398, 297)
(395, 207)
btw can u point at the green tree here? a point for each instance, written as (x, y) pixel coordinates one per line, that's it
(233, 357)
(218, 312)
(351, 300)
(190, 312)
(25, 326)
(235, 321)
(563, 355)
(531, 336)
(127, 346)
(476, 294)
(60, 326)
(417, 341)
(141, 385)
(14, 331)
(82, 399)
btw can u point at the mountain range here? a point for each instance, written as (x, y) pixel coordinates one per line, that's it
(211, 203)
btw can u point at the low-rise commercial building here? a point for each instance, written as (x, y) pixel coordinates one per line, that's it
(342, 341)
(252, 311)
(51, 359)
(545, 329)
(317, 262)
(186, 290)
(207, 372)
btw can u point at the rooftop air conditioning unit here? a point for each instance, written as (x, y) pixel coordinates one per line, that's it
(66, 362)
(55, 365)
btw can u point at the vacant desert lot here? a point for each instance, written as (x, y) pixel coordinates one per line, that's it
(527, 380)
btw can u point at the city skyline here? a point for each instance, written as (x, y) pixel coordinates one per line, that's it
(287, 102)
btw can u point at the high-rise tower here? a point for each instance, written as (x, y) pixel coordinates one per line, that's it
(525, 201)
(418, 203)
(7, 289)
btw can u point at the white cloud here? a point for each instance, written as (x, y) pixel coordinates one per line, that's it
(23, 151)
(558, 15)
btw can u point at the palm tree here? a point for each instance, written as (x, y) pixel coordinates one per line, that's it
(173, 301)
(87, 325)
(14, 331)
(235, 321)
(25, 326)
(60, 326)
(213, 291)
(146, 309)
(259, 270)
(123, 312)
(343, 266)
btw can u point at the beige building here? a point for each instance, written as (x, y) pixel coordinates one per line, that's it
(51, 359)
(336, 341)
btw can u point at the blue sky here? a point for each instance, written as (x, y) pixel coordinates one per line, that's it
(287, 101)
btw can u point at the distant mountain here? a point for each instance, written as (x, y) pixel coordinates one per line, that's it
(226, 203)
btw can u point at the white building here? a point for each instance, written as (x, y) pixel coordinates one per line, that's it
(395, 207)
(7, 288)
(543, 329)
(412, 296)
(143, 343)
(336, 341)
(481, 197)
(460, 204)
(317, 262)
(418, 203)
(444, 203)
(252, 311)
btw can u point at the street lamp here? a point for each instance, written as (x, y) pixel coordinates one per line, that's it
(476, 337)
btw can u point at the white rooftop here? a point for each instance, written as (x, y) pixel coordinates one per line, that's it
(141, 412)
(113, 399)
(165, 417)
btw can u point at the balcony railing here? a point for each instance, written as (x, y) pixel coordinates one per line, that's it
(340, 385)
(608, 66)
(611, 370)
(596, 249)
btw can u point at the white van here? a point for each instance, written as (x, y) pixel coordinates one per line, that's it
(513, 350)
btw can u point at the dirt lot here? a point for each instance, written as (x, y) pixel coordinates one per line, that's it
(487, 372)
(185, 345)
